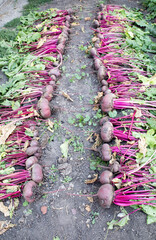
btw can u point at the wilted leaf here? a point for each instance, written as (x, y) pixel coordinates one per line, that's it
(90, 137)
(117, 142)
(6, 131)
(64, 148)
(87, 207)
(4, 209)
(117, 182)
(90, 199)
(50, 125)
(87, 18)
(138, 113)
(98, 141)
(41, 41)
(4, 226)
(122, 222)
(97, 99)
(75, 24)
(88, 181)
(82, 28)
(142, 145)
(26, 144)
(67, 96)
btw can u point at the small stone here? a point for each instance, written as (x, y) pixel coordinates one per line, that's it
(44, 209)
(89, 176)
(71, 186)
(73, 211)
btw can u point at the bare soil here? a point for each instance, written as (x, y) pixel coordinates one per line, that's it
(68, 217)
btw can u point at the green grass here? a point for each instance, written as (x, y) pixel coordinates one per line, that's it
(7, 35)
(31, 6)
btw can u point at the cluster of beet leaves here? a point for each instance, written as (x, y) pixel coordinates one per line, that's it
(31, 62)
(126, 74)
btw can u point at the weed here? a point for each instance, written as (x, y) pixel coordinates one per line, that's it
(78, 146)
(94, 216)
(27, 212)
(7, 35)
(53, 173)
(67, 179)
(82, 48)
(95, 162)
(25, 203)
(83, 67)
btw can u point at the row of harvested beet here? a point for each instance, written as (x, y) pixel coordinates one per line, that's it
(113, 68)
(44, 109)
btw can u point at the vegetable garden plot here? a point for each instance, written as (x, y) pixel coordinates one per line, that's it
(128, 80)
(31, 62)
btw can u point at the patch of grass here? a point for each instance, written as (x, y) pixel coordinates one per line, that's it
(67, 179)
(33, 5)
(7, 35)
(13, 23)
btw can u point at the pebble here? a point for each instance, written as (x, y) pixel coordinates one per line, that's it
(62, 160)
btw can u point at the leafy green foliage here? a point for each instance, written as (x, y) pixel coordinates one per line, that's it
(150, 5)
(121, 222)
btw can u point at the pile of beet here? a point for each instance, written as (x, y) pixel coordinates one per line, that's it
(126, 181)
(21, 161)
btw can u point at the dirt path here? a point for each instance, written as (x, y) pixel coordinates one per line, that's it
(72, 217)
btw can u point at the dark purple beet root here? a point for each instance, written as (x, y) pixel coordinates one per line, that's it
(106, 177)
(103, 120)
(101, 74)
(107, 131)
(31, 150)
(106, 152)
(105, 195)
(115, 167)
(30, 161)
(28, 191)
(37, 174)
(107, 102)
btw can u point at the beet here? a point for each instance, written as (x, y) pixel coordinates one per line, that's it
(107, 102)
(108, 91)
(115, 167)
(34, 143)
(106, 152)
(96, 23)
(55, 71)
(97, 63)
(106, 177)
(107, 131)
(28, 191)
(48, 92)
(30, 161)
(104, 89)
(103, 120)
(101, 74)
(105, 195)
(37, 174)
(31, 150)
(104, 83)
(44, 108)
(93, 52)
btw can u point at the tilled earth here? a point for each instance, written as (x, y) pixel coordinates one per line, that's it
(72, 217)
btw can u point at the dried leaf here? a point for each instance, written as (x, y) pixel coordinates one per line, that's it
(98, 141)
(41, 41)
(6, 131)
(88, 181)
(117, 182)
(54, 29)
(90, 137)
(50, 125)
(75, 24)
(97, 99)
(26, 144)
(4, 226)
(67, 96)
(117, 142)
(96, 107)
(94, 39)
(4, 209)
(82, 28)
(87, 207)
(87, 18)
(142, 145)
(90, 199)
